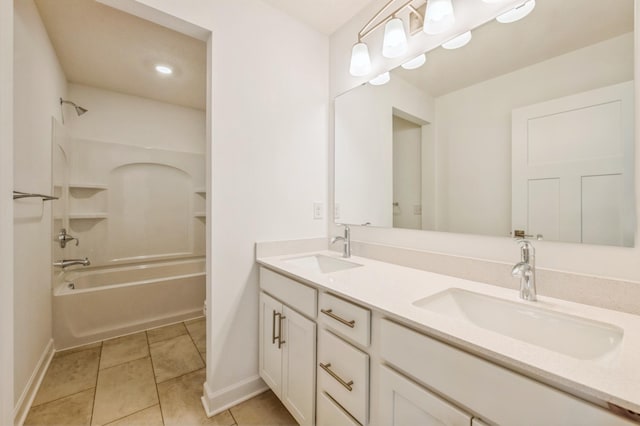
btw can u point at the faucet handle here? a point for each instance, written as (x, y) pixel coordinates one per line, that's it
(519, 234)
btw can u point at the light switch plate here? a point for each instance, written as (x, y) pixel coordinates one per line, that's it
(317, 210)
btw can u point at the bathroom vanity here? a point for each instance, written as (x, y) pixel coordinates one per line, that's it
(359, 341)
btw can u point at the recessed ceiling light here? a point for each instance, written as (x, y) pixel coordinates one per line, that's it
(459, 41)
(164, 69)
(517, 13)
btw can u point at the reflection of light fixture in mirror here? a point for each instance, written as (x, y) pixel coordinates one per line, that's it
(395, 39)
(458, 42)
(438, 16)
(381, 79)
(517, 13)
(360, 61)
(164, 69)
(416, 62)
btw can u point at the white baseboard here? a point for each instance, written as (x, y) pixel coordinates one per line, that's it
(31, 389)
(219, 401)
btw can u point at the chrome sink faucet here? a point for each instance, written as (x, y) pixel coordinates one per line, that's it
(70, 262)
(526, 270)
(346, 248)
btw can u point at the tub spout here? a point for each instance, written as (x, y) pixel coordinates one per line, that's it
(69, 262)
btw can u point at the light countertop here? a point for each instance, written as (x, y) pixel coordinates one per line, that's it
(392, 289)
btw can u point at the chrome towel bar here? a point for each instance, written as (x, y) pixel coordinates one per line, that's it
(17, 195)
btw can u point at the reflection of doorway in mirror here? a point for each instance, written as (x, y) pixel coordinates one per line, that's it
(407, 174)
(572, 167)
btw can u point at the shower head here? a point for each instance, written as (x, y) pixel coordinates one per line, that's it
(79, 109)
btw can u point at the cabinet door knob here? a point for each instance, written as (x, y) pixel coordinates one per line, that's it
(348, 385)
(330, 314)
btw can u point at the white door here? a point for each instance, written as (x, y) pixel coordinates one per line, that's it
(573, 167)
(270, 355)
(298, 366)
(404, 403)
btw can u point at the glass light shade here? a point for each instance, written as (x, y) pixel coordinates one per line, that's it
(458, 42)
(381, 79)
(438, 16)
(517, 13)
(492, 1)
(360, 60)
(395, 39)
(416, 62)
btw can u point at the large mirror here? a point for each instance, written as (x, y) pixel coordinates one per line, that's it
(528, 127)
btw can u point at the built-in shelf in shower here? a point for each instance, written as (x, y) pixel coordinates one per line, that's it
(201, 191)
(87, 216)
(94, 186)
(200, 214)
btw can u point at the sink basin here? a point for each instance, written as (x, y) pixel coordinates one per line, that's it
(322, 264)
(574, 336)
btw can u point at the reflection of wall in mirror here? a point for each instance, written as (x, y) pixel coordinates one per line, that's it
(474, 131)
(364, 152)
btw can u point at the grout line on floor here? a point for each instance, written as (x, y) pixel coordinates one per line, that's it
(148, 355)
(155, 380)
(194, 344)
(95, 389)
(62, 397)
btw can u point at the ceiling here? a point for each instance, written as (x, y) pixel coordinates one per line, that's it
(552, 29)
(103, 47)
(325, 16)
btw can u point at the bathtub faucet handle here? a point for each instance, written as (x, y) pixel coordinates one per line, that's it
(70, 262)
(64, 238)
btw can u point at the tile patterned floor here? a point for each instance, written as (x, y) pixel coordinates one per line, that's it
(148, 378)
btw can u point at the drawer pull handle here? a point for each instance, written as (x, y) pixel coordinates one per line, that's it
(329, 313)
(348, 385)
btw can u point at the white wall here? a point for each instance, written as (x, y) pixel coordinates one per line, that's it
(6, 212)
(612, 262)
(132, 120)
(269, 160)
(473, 130)
(38, 84)
(364, 149)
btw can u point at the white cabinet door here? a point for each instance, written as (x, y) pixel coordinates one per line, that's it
(404, 403)
(298, 366)
(270, 355)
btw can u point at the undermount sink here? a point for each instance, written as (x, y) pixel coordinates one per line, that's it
(574, 336)
(321, 263)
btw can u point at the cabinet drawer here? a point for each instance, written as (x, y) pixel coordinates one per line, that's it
(345, 318)
(330, 414)
(300, 297)
(343, 372)
(499, 395)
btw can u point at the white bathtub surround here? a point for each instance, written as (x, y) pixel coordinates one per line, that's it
(392, 290)
(110, 302)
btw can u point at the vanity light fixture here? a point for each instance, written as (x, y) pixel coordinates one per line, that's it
(517, 13)
(381, 79)
(416, 62)
(395, 39)
(438, 17)
(164, 69)
(360, 60)
(458, 42)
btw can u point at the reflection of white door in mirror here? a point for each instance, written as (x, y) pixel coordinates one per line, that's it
(572, 167)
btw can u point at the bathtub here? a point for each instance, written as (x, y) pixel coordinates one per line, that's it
(93, 304)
